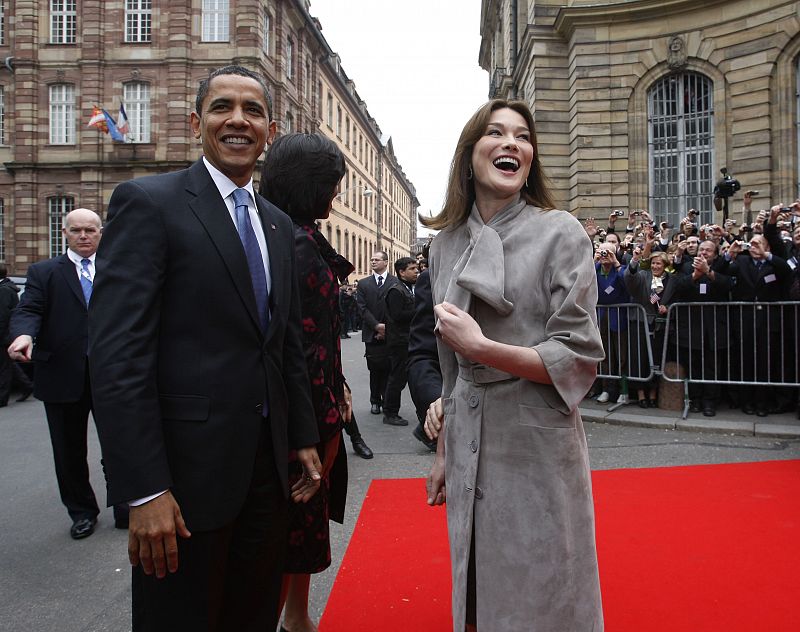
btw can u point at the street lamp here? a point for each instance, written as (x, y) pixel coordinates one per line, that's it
(366, 191)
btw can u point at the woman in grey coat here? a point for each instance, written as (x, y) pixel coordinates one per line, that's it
(515, 294)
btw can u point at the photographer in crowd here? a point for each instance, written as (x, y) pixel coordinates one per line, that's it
(612, 321)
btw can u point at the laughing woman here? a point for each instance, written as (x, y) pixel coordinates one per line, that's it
(518, 342)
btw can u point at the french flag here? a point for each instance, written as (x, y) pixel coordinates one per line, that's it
(122, 121)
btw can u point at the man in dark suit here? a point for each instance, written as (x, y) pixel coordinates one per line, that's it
(199, 378)
(701, 330)
(424, 372)
(399, 310)
(761, 277)
(53, 313)
(370, 295)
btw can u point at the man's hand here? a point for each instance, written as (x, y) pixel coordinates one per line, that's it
(459, 330)
(380, 331)
(700, 265)
(304, 489)
(433, 420)
(591, 227)
(346, 405)
(21, 348)
(152, 528)
(435, 483)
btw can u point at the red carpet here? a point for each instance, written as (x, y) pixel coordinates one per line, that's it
(711, 548)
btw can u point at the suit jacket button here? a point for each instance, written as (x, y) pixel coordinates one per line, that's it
(473, 401)
(473, 445)
(259, 408)
(478, 493)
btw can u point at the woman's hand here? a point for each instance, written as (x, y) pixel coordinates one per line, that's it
(459, 331)
(435, 483)
(433, 420)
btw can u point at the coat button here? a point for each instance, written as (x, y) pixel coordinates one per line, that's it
(473, 401)
(478, 493)
(259, 408)
(473, 445)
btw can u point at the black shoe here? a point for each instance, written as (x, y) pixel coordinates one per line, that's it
(344, 336)
(652, 403)
(419, 435)
(375, 409)
(642, 403)
(362, 449)
(25, 395)
(748, 409)
(3, 404)
(82, 528)
(709, 411)
(694, 407)
(761, 412)
(394, 420)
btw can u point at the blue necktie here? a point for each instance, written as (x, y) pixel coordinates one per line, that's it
(253, 253)
(86, 280)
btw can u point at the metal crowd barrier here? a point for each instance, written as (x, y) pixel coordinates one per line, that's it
(627, 341)
(731, 343)
(752, 344)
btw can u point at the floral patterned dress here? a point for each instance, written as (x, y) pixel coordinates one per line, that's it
(320, 269)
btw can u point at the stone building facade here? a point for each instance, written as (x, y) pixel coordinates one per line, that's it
(641, 103)
(60, 58)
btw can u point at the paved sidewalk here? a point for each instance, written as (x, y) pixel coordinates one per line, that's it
(726, 421)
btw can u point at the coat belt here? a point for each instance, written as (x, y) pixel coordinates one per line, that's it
(480, 374)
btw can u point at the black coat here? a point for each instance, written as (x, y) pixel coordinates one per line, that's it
(399, 310)
(424, 372)
(371, 305)
(9, 297)
(53, 311)
(180, 366)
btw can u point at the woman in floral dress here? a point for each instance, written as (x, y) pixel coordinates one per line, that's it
(301, 175)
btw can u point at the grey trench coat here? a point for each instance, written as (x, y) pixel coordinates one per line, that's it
(517, 465)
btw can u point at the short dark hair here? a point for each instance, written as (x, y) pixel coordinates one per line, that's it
(3, 271)
(402, 263)
(382, 253)
(300, 174)
(203, 88)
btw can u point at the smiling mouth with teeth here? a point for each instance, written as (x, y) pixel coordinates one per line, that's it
(237, 141)
(506, 163)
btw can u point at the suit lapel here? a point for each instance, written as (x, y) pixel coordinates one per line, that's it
(210, 210)
(67, 269)
(275, 252)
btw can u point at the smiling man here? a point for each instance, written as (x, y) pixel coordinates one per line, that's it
(199, 380)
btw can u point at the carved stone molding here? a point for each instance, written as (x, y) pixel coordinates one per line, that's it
(676, 58)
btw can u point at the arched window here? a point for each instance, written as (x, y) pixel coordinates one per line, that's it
(680, 116)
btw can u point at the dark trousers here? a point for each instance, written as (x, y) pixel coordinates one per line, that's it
(397, 379)
(379, 365)
(229, 578)
(703, 366)
(68, 424)
(6, 376)
(425, 384)
(352, 429)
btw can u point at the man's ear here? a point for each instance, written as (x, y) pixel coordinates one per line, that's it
(273, 129)
(194, 121)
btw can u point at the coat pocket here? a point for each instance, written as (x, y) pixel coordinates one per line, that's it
(184, 407)
(541, 406)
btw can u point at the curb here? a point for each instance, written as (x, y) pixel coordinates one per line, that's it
(715, 426)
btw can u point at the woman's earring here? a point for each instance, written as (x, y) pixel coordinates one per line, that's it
(469, 173)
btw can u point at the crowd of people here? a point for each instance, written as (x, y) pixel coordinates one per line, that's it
(733, 271)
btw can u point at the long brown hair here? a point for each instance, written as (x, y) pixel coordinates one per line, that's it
(461, 189)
